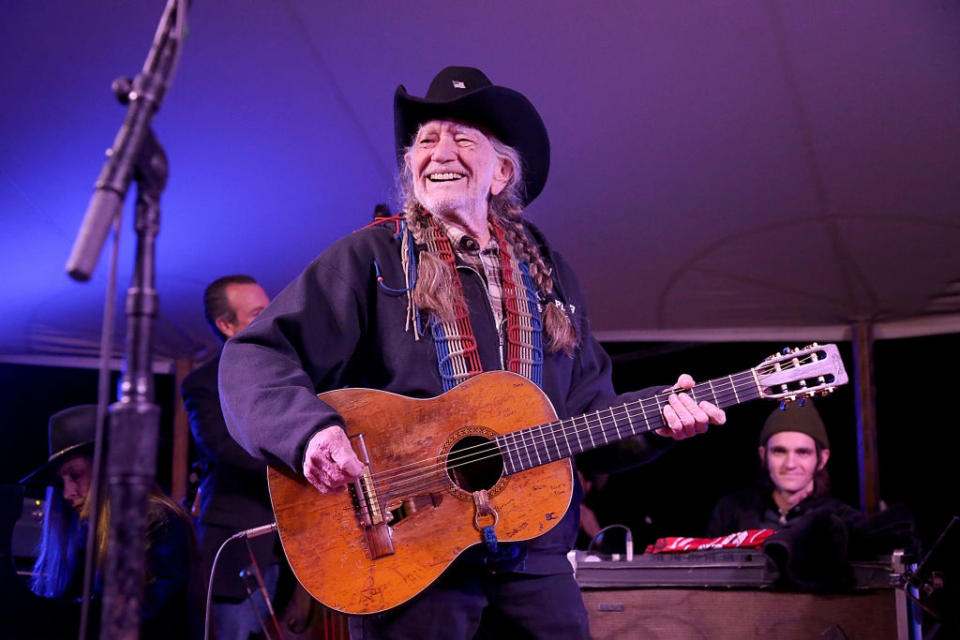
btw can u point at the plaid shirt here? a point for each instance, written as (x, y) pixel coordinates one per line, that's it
(485, 261)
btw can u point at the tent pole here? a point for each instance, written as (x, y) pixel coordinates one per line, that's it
(181, 434)
(866, 407)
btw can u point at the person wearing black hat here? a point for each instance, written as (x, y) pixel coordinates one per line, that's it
(172, 607)
(456, 284)
(794, 450)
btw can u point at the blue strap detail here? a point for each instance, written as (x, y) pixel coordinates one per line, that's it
(490, 539)
(509, 556)
(411, 268)
(536, 325)
(386, 287)
(444, 360)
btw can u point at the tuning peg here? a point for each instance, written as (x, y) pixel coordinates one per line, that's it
(785, 351)
(783, 404)
(801, 401)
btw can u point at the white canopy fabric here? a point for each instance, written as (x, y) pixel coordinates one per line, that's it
(749, 170)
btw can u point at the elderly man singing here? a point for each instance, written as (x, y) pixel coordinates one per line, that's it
(456, 285)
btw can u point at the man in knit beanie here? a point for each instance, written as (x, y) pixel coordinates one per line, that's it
(793, 451)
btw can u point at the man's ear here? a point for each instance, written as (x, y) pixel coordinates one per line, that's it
(225, 327)
(762, 452)
(824, 456)
(501, 176)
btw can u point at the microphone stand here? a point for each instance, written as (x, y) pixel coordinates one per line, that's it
(134, 418)
(919, 582)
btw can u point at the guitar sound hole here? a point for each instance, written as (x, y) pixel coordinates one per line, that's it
(474, 463)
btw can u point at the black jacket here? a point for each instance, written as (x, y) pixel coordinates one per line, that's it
(233, 492)
(754, 508)
(336, 326)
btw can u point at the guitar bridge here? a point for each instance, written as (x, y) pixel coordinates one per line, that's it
(366, 503)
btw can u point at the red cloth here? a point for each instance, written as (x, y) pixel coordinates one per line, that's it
(750, 539)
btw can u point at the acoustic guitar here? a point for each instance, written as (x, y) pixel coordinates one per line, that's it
(488, 453)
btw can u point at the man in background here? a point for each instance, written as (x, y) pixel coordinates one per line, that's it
(233, 493)
(794, 450)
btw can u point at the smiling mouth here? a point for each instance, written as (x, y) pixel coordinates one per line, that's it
(445, 177)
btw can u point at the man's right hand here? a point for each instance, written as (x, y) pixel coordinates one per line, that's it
(330, 462)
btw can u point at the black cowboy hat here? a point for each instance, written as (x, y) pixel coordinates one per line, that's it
(465, 93)
(72, 432)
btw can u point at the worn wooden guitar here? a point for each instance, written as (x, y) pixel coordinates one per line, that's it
(489, 452)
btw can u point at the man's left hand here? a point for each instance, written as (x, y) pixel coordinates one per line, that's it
(684, 416)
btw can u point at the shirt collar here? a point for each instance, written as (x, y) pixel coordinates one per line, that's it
(464, 243)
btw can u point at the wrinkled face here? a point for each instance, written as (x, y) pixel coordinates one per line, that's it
(247, 301)
(76, 474)
(790, 458)
(455, 169)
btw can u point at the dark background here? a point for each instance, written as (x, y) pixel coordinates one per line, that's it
(30, 394)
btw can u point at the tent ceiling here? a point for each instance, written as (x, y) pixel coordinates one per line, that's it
(721, 170)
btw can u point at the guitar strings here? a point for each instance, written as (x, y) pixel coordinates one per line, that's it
(426, 469)
(490, 449)
(605, 428)
(428, 473)
(590, 421)
(626, 411)
(431, 475)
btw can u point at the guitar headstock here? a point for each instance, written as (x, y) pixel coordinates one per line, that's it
(799, 373)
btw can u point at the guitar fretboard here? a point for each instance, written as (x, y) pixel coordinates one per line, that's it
(535, 446)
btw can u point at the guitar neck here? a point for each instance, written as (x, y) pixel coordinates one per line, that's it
(535, 446)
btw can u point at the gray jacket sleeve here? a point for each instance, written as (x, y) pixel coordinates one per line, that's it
(271, 371)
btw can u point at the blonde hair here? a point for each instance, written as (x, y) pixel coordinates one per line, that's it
(61, 548)
(434, 291)
(159, 508)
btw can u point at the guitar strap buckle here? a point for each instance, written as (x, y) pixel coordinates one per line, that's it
(481, 503)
